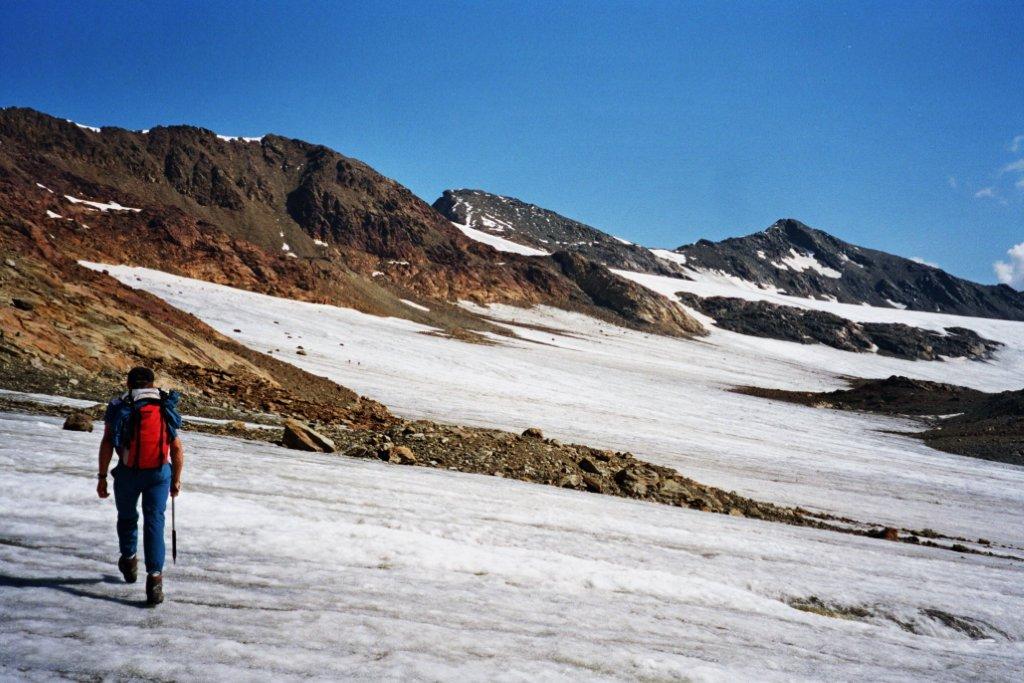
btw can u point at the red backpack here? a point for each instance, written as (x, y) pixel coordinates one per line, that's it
(148, 445)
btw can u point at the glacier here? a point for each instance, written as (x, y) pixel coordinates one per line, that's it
(296, 565)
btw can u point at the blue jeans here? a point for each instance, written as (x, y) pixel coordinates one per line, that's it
(154, 486)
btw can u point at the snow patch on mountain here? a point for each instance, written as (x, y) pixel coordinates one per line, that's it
(801, 262)
(499, 243)
(413, 304)
(94, 129)
(671, 256)
(237, 138)
(100, 206)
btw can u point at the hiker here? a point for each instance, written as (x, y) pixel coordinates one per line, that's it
(141, 426)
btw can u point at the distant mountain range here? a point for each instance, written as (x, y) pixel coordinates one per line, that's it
(298, 220)
(788, 257)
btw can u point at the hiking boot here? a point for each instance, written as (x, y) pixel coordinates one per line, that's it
(129, 567)
(154, 589)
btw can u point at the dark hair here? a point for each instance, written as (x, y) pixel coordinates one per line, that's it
(140, 377)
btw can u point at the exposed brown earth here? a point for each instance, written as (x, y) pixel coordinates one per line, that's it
(960, 419)
(77, 332)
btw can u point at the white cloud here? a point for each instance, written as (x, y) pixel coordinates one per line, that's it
(952, 182)
(918, 259)
(1017, 144)
(1020, 183)
(1015, 166)
(1012, 272)
(985, 192)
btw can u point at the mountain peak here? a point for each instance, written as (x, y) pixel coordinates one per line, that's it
(533, 226)
(792, 257)
(789, 224)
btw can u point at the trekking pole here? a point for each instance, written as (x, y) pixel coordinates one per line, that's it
(174, 537)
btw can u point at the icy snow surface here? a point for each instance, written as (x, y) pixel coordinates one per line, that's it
(297, 566)
(666, 400)
(498, 243)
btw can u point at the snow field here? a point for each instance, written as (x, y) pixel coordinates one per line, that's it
(666, 400)
(297, 565)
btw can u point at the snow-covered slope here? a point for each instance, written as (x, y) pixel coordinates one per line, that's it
(515, 221)
(667, 400)
(298, 566)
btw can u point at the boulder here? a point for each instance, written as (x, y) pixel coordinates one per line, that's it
(571, 481)
(635, 481)
(300, 437)
(78, 421)
(888, 534)
(403, 455)
(533, 433)
(589, 465)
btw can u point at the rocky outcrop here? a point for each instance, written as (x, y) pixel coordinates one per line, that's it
(626, 298)
(809, 326)
(533, 226)
(531, 457)
(960, 419)
(803, 261)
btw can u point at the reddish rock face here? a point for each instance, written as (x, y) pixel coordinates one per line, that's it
(277, 215)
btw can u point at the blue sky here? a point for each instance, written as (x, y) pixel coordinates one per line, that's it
(888, 124)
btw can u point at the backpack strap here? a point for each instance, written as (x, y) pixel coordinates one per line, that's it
(130, 431)
(163, 427)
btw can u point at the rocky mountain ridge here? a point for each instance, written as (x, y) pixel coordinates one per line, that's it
(788, 257)
(274, 215)
(536, 227)
(803, 261)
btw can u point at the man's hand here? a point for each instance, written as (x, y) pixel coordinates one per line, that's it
(175, 488)
(101, 488)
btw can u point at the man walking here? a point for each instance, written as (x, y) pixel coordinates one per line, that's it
(141, 426)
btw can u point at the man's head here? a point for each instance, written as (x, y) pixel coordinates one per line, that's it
(140, 378)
